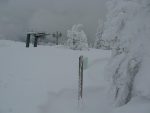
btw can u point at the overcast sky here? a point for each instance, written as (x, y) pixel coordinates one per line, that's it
(19, 16)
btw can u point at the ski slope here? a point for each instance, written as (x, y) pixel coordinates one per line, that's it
(45, 79)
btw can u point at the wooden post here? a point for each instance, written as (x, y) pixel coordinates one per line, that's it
(28, 40)
(35, 41)
(80, 87)
(57, 36)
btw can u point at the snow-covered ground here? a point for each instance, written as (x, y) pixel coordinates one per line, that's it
(45, 79)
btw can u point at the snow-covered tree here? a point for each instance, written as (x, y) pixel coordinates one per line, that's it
(77, 39)
(99, 43)
(127, 32)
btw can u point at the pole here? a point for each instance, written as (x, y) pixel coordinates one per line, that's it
(80, 85)
(35, 41)
(28, 41)
(57, 35)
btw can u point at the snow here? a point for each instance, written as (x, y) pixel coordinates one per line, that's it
(126, 32)
(137, 105)
(45, 79)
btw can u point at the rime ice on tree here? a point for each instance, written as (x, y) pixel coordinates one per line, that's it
(126, 32)
(77, 39)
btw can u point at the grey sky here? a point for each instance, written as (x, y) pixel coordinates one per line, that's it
(19, 16)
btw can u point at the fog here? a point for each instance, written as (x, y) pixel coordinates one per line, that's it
(17, 17)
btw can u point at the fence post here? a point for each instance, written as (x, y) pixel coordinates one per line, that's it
(28, 40)
(80, 87)
(35, 41)
(57, 36)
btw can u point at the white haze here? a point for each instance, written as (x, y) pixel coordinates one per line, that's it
(19, 16)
